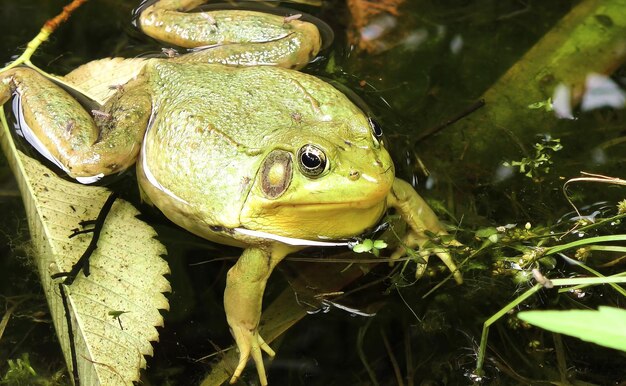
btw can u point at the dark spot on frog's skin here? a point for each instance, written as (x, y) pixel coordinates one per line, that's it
(605, 20)
(169, 52)
(341, 148)
(245, 182)
(217, 228)
(297, 117)
(70, 126)
(117, 87)
(46, 175)
(72, 208)
(101, 114)
(347, 142)
(221, 229)
(546, 80)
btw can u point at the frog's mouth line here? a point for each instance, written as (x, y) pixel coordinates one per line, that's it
(358, 204)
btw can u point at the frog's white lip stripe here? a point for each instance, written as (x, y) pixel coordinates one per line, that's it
(291, 240)
(23, 130)
(146, 168)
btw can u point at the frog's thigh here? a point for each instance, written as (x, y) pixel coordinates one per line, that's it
(63, 131)
(57, 122)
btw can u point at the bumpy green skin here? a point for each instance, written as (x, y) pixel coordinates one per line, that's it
(218, 150)
(207, 141)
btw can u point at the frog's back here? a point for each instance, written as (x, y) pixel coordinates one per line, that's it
(213, 125)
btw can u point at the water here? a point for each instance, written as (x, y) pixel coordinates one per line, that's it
(440, 58)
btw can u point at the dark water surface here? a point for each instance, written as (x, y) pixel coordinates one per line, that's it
(442, 56)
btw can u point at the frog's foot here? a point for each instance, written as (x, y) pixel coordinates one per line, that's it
(231, 36)
(250, 343)
(421, 221)
(416, 243)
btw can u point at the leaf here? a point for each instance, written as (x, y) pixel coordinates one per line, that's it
(484, 233)
(364, 246)
(380, 244)
(604, 326)
(126, 272)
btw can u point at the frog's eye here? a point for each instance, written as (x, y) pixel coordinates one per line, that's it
(312, 160)
(376, 128)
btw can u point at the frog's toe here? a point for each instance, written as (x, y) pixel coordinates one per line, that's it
(410, 246)
(445, 257)
(250, 344)
(415, 243)
(420, 258)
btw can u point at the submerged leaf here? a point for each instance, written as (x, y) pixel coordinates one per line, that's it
(604, 326)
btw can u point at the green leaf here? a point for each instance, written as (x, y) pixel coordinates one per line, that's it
(364, 246)
(605, 327)
(126, 271)
(486, 232)
(380, 244)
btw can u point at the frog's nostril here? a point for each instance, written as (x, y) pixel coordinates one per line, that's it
(354, 175)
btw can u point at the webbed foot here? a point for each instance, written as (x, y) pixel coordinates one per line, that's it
(414, 243)
(250, 343)
(421, 219)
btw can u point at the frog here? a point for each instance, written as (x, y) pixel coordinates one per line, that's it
(231, 141)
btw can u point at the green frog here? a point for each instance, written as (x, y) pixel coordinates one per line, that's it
(230, 141)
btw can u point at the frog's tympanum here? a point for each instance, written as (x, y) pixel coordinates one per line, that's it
(231, 142)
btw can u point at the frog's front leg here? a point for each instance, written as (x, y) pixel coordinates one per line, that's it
(420, 218)
(83, 143)
(232, 37)
(243, 298)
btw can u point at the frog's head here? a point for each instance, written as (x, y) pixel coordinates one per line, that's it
(328, 182)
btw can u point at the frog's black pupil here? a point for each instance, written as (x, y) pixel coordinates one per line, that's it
(378, 131)
(310, 160)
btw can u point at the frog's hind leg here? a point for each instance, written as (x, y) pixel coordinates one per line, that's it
(245, 284)
(86, 144)
(232, 37)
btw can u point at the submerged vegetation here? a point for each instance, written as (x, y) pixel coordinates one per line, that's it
(497, 178)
